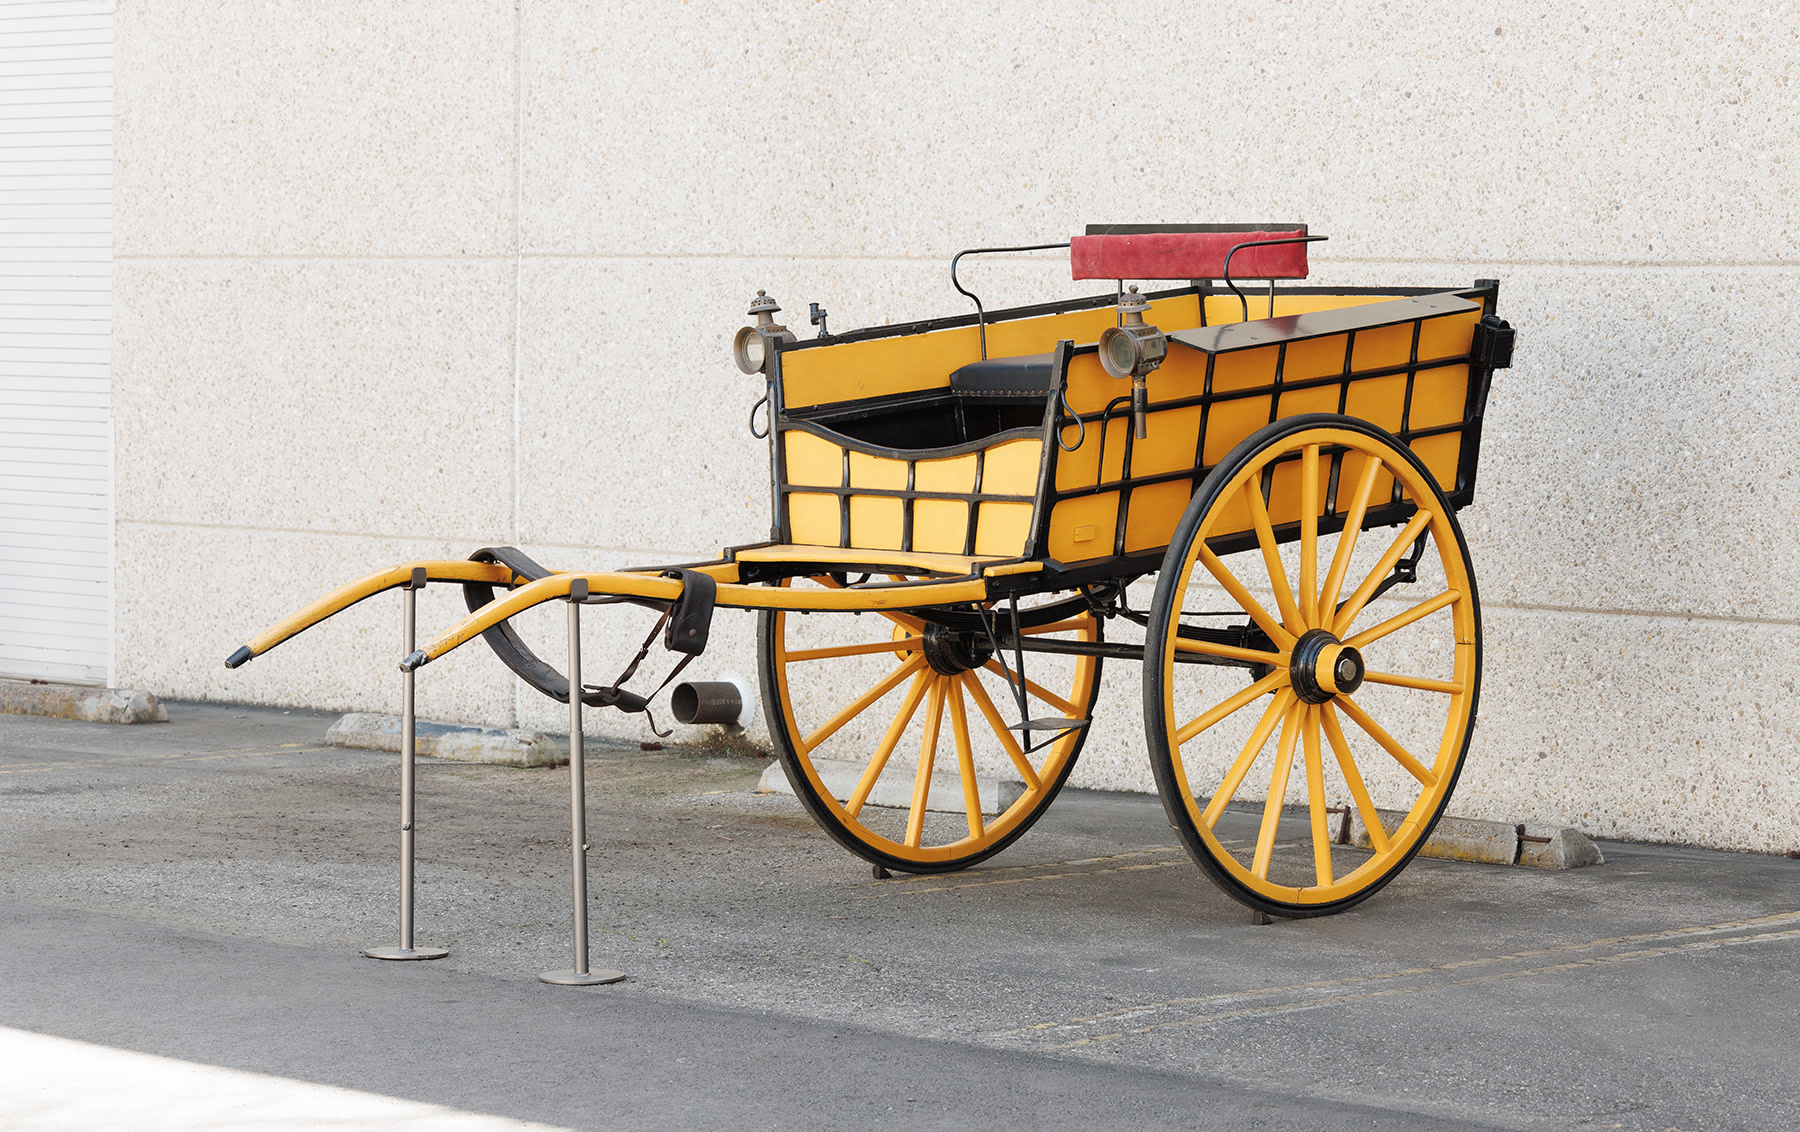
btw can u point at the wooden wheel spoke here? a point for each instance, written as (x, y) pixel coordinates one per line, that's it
(1408, 534)
(1271, 554)
(965, 755)
(1328, 577)
(1278, 783)
(1315, 797)
(1400, 621)
(835, 651)
(1246, 758)
(861, 703)
(844, 695)
(1230, 705)
(1346, 548)
(1239, 594)
(1038, 690)
(934, 720)
(1353, 778)
(1394, 679)
(1388, 743)
(972, 683)
(1255, 656)
(878, 762)
(1309, 535)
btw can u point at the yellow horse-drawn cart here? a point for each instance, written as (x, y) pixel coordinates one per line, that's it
(961, 508)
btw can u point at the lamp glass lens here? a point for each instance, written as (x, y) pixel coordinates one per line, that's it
(1121, 354)
(749, 350)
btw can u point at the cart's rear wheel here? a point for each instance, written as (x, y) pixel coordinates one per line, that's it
(886, 725)
(1367, 700)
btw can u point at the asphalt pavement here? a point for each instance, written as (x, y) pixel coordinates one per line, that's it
(200, 890)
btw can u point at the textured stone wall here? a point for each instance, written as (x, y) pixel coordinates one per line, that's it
(404, 279)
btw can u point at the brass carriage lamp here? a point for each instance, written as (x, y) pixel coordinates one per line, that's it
(1132, 349)
(751, 346)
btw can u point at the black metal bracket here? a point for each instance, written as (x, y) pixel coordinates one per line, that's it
(1493, 344)
(1245, 303)
(980, 311)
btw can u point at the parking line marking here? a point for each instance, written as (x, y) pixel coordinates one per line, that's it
(1748, 929)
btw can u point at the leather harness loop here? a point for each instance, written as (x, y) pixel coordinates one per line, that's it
(685, 626)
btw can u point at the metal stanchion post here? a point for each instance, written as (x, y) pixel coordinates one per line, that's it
(579, 976)
(408, 735)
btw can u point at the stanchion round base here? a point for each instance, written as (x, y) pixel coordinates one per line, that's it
(405, 952)
(577, 979)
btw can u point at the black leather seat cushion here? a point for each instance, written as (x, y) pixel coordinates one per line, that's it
(1025, 377)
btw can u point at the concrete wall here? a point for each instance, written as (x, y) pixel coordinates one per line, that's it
(403, 279)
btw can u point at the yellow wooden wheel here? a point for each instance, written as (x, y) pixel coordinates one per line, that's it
(893, 728)
(1364, 655)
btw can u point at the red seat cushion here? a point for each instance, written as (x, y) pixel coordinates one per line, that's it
(1185, 255)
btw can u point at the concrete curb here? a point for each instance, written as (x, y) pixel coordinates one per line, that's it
(450, 741)
(1492, 842)
(946, 788)
(70, 701)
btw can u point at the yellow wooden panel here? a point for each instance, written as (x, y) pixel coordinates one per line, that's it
(1041, 334)
(1318, 399)
(1153, 512)
(1091, 388)
(1225, 308)
(814, 519)
(1080, 468)
(1440, 454)
(1182, 375)
(1378, 400)
(1002, 528)
(953, 473)
(854, 370)
(1083, 528)
(1169, 443)
(909, 560)
(907, 363)
(1230, 422)
(1439, 396)
(1011, 469)
(813, 462)
(940, 525)
(877, 521)
(1383, 347)
(1447, 337)
(876, 471)
(1315, 357)
(1245, 369)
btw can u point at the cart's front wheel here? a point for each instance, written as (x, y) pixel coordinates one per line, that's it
(896, 734)
(1366, 697)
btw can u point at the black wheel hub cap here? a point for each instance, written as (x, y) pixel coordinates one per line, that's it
(1322, 667)
(952, 651)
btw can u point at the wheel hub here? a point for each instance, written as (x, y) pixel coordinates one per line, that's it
(1323, 667)
(953, 651)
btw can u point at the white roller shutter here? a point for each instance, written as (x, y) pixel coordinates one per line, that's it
(56, 340)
